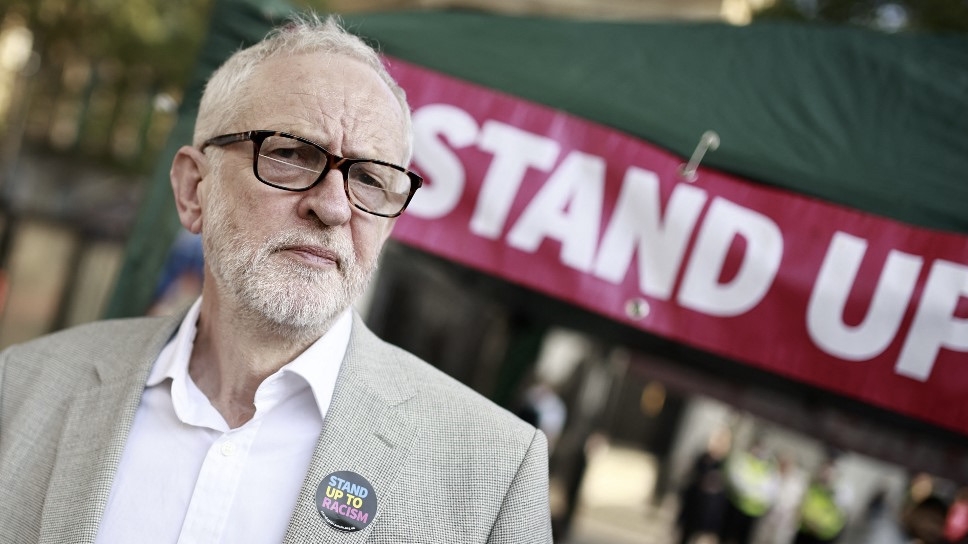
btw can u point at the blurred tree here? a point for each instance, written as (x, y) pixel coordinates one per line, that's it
(111, 73)
(161, 34)
(886, 15)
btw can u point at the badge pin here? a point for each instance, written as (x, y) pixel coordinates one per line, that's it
(346, 501)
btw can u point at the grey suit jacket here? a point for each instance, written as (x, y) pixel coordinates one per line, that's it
(446, 464)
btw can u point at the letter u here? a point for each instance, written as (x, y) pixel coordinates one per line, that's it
(833, 288)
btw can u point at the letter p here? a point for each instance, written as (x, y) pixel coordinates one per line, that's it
(935, 325)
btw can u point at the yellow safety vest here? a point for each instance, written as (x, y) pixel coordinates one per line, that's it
(751, 484)
(820, 515)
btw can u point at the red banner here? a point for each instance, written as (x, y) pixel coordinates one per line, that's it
(857, 304)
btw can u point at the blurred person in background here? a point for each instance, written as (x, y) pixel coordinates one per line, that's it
(924, 521)
(544, 408)
(925, 512)
(824, 508)
(752, 480)
(268, 412)
(181, 276)
(779, 525)
(703, 500)
(956, 521)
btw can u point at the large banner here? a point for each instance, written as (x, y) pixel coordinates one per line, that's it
(857, 304)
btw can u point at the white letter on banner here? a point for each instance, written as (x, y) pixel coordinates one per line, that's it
(825, 312)
(935, 325)
(701, 290)
(578, 185)
(444, 171)
(637, 223)
(514, 152)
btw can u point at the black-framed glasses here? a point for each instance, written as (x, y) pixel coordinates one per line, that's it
(291, 163)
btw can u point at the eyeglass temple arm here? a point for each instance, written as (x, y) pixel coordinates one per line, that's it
(226, 139)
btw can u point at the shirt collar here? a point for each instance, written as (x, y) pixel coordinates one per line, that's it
(318, 365)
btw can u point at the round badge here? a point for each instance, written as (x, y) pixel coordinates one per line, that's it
(346, 501)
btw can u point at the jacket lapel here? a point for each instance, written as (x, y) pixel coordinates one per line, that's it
(367, 430)
(97, 423)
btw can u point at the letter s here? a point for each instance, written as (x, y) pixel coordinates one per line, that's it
(444, 172)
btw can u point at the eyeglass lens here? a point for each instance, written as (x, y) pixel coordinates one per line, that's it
(292, 164)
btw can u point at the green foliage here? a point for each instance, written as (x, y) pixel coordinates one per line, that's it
(163, 35)
(110, 72)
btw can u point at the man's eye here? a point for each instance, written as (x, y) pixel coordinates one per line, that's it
(283, 153)
(287, 150)
(296, 155)
(370, 180)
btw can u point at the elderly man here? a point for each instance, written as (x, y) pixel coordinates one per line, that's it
(268, 412)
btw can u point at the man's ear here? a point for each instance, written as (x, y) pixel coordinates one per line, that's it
(188, 168)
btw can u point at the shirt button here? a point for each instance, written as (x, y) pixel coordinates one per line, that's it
(227, 449)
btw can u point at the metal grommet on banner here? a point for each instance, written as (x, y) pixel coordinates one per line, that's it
(708, 142)
(637, 308)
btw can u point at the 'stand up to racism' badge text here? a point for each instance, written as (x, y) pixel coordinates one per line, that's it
(346, 501)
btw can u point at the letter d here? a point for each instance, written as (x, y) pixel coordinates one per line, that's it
(701, 290)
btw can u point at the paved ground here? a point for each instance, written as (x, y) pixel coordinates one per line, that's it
(622, 526)
(616, 502)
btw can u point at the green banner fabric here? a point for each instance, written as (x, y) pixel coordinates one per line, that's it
(234, 24)
(872, 121)
(869, 120)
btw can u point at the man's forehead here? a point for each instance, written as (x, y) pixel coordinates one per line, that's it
(324, 96)
(318, 73)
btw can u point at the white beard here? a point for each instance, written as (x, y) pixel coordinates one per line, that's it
(288, 296)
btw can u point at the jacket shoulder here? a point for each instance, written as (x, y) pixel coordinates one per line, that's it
(72, 354)
(452, 406)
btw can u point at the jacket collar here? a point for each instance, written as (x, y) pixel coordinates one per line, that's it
(369, 430)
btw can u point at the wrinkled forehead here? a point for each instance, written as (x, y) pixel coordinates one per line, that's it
(333, 99)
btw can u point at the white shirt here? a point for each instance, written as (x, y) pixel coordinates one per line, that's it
(186, 477)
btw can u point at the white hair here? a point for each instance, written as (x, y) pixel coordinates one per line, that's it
(306, 33)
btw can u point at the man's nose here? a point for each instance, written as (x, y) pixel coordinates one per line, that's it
(327, 201)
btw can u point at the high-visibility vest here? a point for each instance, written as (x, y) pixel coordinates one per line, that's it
(820, 515)
(752, 483)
